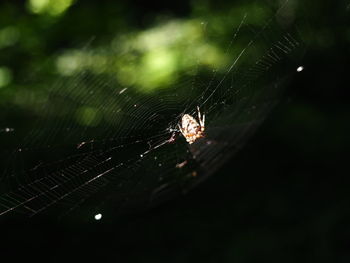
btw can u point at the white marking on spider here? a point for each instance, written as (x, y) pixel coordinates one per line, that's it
(190, 128)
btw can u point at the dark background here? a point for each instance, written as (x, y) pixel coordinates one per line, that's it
(283, 198)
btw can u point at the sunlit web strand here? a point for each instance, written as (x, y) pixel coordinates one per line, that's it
(244, 50)
(215, 71)
(53, 178)
(146, 113)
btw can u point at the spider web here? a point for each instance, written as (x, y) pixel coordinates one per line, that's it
(95, 143)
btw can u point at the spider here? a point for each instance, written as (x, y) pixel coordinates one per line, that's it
(190, 128)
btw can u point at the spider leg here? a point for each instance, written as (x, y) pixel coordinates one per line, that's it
(202, 122)
(180, 129)
(199, 114)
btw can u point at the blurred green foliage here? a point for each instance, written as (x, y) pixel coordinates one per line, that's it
(44, 42)
(33, 32)
(49, 7)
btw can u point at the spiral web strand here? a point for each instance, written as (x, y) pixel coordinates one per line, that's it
(138, 155)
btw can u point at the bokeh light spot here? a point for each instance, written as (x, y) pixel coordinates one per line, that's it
(8, 36)
(5, 76)
(157, 68)
(98, 217)
(51, 7)
(88, 116)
